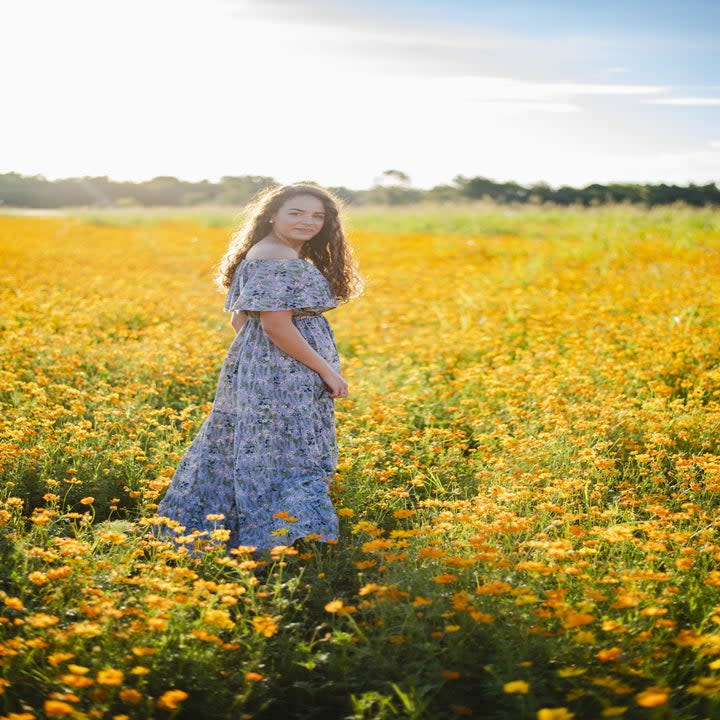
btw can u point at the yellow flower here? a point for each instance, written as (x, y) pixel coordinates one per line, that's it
(170, 699)
(221, 618)
(87, 500)
(614, 711)
(516, 686)
(110, 677)
(111, 536)
(77, 669)
(142, 651)
(14, 603)
(56, 658)
(41, 620)
(265, 625)
(555, 714)
(368, 588)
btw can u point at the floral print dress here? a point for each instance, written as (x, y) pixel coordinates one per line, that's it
(264, 456)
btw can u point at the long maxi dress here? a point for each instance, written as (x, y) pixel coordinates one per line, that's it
(265, 454)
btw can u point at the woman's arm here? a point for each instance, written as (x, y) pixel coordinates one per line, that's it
(237, 320)
(278, 326)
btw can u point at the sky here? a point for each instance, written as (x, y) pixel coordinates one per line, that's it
(338, 92)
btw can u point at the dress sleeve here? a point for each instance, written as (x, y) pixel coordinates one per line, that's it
(279, 284)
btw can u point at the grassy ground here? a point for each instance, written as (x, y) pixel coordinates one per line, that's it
(528, 479)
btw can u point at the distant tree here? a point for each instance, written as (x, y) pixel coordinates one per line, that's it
(393, 177)
(346, 195)
(442, 193)
(239, 190)
(393, 188)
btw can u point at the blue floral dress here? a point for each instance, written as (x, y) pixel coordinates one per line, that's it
(264, 456)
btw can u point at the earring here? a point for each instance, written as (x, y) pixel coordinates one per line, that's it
(272, 221)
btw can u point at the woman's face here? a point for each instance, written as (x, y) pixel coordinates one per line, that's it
(299, 218)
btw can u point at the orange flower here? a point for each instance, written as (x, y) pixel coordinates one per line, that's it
(253, 676)
(283, 515)
(338, 607)
(576, 619)
(364, 564)
(87, 500)
(56, 708)
(76, 681)
(130, 695)
(652, 697)
(450, 674)
(170, 699)
(444, 578)
(609, 655)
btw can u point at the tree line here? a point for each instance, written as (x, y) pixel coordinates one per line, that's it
(392, 188)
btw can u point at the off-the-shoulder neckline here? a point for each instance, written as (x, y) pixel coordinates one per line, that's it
(307, 262)
(282, 260)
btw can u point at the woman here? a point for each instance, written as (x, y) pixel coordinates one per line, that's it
(261, 463)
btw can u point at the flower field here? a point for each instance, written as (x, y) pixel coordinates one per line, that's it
(528, 486)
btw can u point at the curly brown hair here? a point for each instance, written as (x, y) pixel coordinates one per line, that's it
(329, 250)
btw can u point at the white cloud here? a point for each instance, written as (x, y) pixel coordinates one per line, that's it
(685, 101)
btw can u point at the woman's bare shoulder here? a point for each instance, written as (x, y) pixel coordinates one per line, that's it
(269, 250)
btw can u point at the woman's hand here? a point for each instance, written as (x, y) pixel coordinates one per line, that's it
(336, 384)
